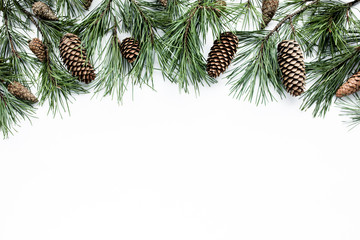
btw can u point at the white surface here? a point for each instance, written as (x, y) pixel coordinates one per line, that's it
(170, 166)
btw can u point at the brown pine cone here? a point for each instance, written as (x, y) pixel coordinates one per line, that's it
(43, 11)
(38, 48)
(268, 9)
(221, 54)
(352, 85)
(292, 66)
(130, 49)
(75, 58)
(87, 4)
(21, 92)
(163, 2)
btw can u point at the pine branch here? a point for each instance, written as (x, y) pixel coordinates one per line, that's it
(6, 23)
(328, 27)
(71, 8)
(94, 27)
(327, 75)
(146, 20)
(55, 85)
(12, 42)
(182, 58)
(350, 108)
(289, 17)
(257, 72)
(12, 110)
(112, 80)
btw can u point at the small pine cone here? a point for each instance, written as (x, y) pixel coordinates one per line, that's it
(221, 54)
(130, 49)
(292, 66)
(352, 85)
(43, 11)
(75, 58)
(268, 9)
(163, 2)
(21, 92)
(38, 48)
(87, 4)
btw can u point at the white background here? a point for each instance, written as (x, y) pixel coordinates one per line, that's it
(171, 166)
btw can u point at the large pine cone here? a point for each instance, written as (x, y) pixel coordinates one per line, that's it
(221, 54)
(163, 2)
(130, 49)
(75, 58)
(43, 11)
(38, 48)
(352, 85)
(268, 9)
(87, 4)
(21, 92)
(292, 66)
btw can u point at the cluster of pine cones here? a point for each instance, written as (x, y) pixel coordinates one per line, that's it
(290, 56)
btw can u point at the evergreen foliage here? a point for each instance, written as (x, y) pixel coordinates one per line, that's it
(173, 34)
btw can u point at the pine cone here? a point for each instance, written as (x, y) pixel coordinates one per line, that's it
(130, 49)
(21, 92)
(163, 2)
(75, 58)
(352, 85)
(87, 4)
(221, 54)
(268, 9)
(38, 48)
(292, 66)
(43, 11)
